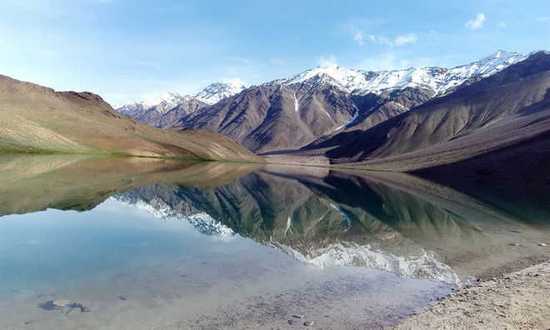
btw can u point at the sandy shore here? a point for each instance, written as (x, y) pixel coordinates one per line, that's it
(519, 300)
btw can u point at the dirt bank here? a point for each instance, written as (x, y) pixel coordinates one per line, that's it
(519, 300)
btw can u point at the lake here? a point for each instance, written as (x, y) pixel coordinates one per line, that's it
(93, 243)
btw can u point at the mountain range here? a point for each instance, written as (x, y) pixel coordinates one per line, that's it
(294, 112)
(402, 120)
(505, 110)
(169, 109)
(469, 118)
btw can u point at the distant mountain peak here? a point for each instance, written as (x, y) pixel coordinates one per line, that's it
(217, 91)
(166, 102)
(153, 110)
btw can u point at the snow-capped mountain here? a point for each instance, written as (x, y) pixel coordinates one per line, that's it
(216, 92)
(166, 110)
(359, 82)
(161, 105)
(437, 79)
(293, 112)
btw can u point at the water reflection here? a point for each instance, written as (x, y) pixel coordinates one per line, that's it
(390, 222)
(170, 231)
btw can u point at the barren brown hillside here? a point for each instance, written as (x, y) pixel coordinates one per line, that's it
(38, 119)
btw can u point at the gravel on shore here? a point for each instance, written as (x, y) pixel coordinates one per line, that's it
(519, 300)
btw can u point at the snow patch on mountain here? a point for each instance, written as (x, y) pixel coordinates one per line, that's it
(439, 80)
(216, 92)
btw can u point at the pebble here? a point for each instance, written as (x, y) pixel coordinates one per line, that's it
(515, 244)
(308, 323)
(543, 244)
(298, 316)
(290, 322)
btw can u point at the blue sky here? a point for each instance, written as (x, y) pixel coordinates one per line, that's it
(128, 50)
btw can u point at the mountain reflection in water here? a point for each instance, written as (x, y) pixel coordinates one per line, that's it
(387, 222)
(390, 222)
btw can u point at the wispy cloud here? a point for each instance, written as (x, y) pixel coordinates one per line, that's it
(400, 40)
(543, 19)
(392, 61)
(405, 39)
(359, 38)
(234, 81)
(277, 61)
(477, 22)
(327, 61)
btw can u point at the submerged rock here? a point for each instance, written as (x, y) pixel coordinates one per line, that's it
(63, 305)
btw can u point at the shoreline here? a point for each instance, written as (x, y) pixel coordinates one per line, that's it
(517, 300)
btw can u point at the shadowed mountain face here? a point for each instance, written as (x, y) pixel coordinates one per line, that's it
(391, 222)
(275, 117)
(507, 109)
(39, 119)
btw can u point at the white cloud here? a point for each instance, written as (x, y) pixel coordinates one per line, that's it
(239, 60)
(477, 22)
(234, 81)
(277, 61)
(391, 61)
(405, 39)
(359, 38)
(327, 61)
(400, 40)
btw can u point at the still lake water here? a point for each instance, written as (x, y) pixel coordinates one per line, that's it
(142, 244)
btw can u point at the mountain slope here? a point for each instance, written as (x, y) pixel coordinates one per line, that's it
(274, 116)
(505, 109)
(320, 103)
(39, 119)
